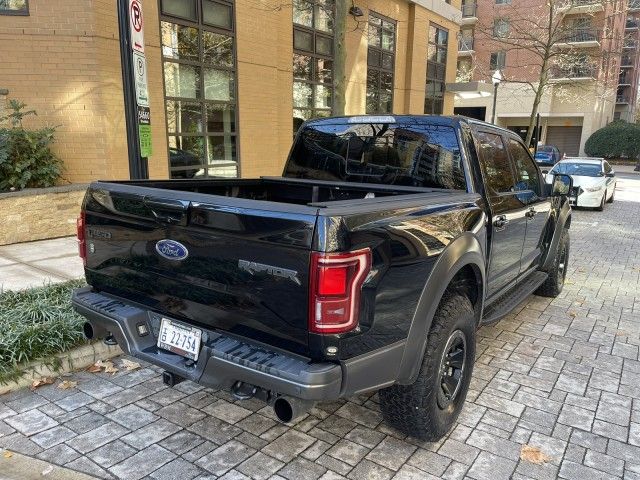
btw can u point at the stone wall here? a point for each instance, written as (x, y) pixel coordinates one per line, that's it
(37, 214)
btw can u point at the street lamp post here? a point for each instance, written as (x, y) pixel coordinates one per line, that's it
(496, 78)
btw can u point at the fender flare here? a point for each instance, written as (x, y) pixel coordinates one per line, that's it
(464, 250)
(564, 217)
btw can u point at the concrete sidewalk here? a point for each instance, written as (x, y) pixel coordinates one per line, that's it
(33, 264)
(14, 466)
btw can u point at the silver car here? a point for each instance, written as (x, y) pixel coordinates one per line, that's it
(594, 181)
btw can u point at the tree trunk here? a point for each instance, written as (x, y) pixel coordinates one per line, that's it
(542, 86)
(340, 57)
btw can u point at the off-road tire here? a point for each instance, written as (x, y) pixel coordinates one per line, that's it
(414, 409)
(554, 284)
(613, 194)
(601, 207)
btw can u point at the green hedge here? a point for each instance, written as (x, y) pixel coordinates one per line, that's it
(37, 324)
(616, 140)
(26, 158)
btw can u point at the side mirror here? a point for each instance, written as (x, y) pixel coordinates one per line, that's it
(544, 172)
(562, 185)
(611, 174)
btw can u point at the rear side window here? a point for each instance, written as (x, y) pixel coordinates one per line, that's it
(495, 163)
(607, 168)
(415, 153)
(527, 178)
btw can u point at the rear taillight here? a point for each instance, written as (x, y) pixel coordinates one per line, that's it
(82, 243)
(335, 284)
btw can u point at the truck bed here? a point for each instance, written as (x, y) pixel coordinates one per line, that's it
(283, 190)
(248, 244)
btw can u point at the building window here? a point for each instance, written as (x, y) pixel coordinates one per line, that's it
(14, 7)
(498, 60)
(436, 69)
(312, 60)
(503, 2)
(199, 63)
(381, 62)
(501, 27)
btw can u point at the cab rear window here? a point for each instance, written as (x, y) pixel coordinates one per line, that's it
(417, 154)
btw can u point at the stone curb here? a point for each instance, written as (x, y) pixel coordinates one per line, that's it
(78, 358)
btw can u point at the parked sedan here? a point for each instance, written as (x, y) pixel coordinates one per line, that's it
(547, 155)
(594, 181)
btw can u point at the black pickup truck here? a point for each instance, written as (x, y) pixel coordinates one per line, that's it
(368, 266)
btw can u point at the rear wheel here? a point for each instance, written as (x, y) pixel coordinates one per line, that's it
(428, 408)
(554, 284)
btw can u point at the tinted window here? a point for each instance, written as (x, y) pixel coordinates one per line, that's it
(409, 153)
(579, 169)
(607, 168)
(495, 163)
(527, 177)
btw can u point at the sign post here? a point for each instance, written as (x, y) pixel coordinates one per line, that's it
(134, 81)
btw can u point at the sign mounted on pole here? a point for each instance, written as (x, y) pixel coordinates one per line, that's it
(140, 77)
(136, 24)
(139, 71)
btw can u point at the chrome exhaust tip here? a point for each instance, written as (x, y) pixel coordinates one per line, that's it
(288, 409)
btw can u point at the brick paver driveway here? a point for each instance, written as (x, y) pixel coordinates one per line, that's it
(563, 376)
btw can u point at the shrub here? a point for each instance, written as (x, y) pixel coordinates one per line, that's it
(37, 324)
(616, 140)
(26, 159)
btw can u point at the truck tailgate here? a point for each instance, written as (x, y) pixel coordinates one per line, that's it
(219, 262)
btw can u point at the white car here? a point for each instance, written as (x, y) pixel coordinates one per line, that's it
(594, 181)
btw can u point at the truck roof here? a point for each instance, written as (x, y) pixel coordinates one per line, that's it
(452, 120)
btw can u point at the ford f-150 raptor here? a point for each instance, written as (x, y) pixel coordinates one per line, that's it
(368, 266)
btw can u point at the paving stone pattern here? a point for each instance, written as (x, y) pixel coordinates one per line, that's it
(561, 375)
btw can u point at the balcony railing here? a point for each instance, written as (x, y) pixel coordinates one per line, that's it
(627, 61)
(622, 99)
(465, 44)
(624, 80)
(634, 5)
(630, 43)
(582, 71)
(632, 24)
(469, 10)
(581, 35)
(576, 6)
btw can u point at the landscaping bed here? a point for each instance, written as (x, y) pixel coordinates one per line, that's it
(37, 325)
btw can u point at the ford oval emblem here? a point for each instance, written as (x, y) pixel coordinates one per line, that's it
(171, 250)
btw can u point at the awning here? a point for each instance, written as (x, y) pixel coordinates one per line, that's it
(467, 90)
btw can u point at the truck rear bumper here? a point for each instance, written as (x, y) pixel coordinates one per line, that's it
(223, 360)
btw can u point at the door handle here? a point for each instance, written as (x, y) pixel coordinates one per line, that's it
(531, 213)
(501, 221)
(167, 210)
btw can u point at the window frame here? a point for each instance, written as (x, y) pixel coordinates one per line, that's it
(498, 65)
(518, 142)
(380, 68)
(314, 82)
(435, 64)
(23, 12)
(490, 191)
(201, 27)
(504, 21)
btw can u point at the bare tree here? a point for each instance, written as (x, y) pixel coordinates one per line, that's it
(545, 45)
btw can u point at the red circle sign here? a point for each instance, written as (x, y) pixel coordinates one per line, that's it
(136, 15)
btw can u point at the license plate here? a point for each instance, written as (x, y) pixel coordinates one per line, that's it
(180, 338)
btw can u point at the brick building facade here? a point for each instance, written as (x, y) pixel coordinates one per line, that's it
(586, 89)
(221, 76)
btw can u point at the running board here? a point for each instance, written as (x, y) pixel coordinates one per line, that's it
(506, 303)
